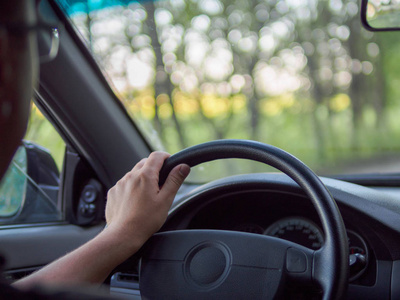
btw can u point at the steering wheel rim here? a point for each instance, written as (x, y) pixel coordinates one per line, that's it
(330, 263)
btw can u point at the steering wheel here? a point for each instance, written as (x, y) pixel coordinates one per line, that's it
(213, 264)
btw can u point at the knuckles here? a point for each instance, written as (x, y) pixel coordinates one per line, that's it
(147, 175)
(159, 154)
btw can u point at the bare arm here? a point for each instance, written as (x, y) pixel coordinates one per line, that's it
(136, 208)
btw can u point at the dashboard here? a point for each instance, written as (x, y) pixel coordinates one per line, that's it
(280, 215)
(273, 204)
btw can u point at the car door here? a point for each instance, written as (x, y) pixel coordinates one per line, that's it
(101, 145)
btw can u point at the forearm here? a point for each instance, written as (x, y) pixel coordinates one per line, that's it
(89, 264)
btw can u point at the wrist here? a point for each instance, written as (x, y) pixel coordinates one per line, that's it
(124, 241)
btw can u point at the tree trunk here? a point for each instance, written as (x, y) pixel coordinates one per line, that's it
(163, 82)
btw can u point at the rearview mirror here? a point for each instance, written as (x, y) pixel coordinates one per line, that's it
(381, 15)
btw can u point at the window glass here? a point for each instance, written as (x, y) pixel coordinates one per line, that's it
(42, 132)
(300, 75)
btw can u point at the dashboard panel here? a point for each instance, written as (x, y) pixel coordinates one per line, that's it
(273, 204)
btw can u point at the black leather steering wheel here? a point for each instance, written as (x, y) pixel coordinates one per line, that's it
(211, 264)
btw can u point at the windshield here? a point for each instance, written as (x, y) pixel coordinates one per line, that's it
(302, 75)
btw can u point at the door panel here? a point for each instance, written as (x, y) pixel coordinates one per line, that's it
(40, 245)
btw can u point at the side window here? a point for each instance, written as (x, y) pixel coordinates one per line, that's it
(29, 189)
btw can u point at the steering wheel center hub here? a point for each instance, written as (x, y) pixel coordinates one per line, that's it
(207, 265)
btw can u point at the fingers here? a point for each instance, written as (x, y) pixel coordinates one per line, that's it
(151, 167)
(175, 180)
(139, 165)
(156, 160)
(149, 170)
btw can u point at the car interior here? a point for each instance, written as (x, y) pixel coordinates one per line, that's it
(280, 231)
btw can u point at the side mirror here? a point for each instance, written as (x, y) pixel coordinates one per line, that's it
(380, 15)
(13, 185)
(29, 189)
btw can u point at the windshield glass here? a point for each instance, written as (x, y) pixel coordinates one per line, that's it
(302, 75)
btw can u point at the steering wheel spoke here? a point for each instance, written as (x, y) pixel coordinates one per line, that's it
(212, 264)
(299, 263)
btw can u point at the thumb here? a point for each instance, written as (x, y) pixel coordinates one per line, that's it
(175, 180)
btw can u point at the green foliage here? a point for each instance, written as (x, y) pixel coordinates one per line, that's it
(43, 133)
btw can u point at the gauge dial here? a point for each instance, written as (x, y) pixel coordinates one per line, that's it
(306, 233)
(297, 230)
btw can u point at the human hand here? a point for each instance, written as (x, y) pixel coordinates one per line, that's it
(137, 207)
